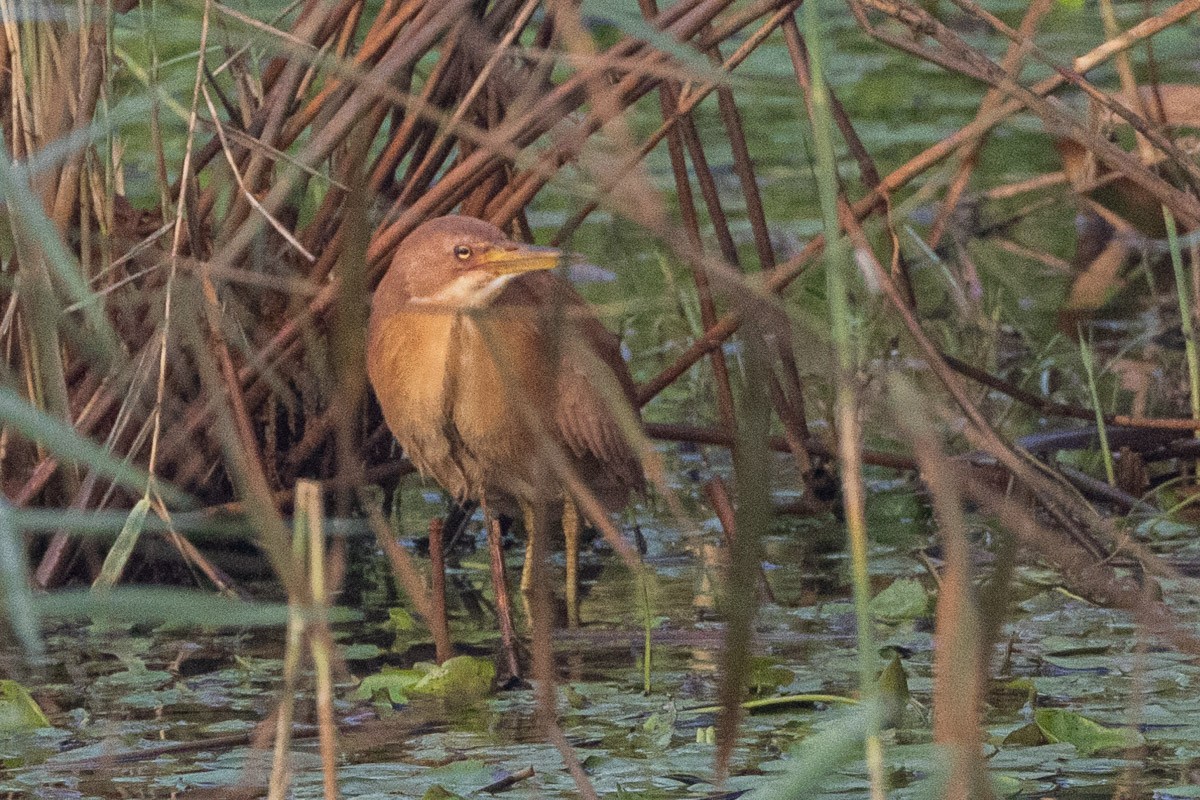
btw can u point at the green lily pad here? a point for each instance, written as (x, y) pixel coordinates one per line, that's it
(390, 684)
(904, 599)
(439, 792)
(361, 652)
(400, 620)
(1005, 785)
(1028, 736)
(18, 710)
(1088, 736)
(462, 678)
(767, 675)
(659, 727)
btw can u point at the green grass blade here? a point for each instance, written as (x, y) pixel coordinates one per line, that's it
(66, 444)
(122, 548)
(1089, 368)
(15, 592)
(1185, 313)
(174, 606)
(820, 755)
(25, 209)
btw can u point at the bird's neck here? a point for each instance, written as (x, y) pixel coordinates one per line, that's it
(470, 291)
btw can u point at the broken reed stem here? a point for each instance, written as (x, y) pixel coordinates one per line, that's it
(281, 778)
(838, 268)
(310, 516)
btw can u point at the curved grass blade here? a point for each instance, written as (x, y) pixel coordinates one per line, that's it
(122, 548)
(65, 443)
(24, 207)
(821, 754)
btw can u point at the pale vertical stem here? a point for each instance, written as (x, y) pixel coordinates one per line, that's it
(308, 504)
(570, 526)
(837, 265)
(958, 663)
(280, 772)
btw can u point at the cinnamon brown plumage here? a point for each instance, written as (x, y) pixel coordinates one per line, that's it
(475, 352)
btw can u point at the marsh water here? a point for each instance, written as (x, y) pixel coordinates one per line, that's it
(152, 712)
(161, 711)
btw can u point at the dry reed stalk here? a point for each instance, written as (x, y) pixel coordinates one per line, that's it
(683, 192)
(310, 509)
(1013, 58)
(906, 173)
(959, 669)
(484, 129)
(323, 302)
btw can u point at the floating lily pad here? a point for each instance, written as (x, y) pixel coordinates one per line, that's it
(462, 678)
(1088, 736)
(390, 684)
(18, 710)
(439, 792)
(904, 599)
(1029, 735)
(400, 620)
(767, 675)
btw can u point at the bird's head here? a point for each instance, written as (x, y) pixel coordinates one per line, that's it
(460, 262)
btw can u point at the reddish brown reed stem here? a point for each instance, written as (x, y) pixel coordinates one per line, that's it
(695, 434)
(900, 177)
(718, 497)
(687, 207)
(959, 667)
(1013, 58)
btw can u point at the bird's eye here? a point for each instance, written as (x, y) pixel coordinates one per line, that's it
(462, 252)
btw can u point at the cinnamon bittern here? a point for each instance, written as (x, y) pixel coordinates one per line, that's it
(498, 380)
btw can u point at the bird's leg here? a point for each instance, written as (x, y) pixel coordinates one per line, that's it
(508, 636)
(570, 526)
(531, 552)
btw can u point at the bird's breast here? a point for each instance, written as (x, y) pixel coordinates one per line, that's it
(461, 395)
(406, 362)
